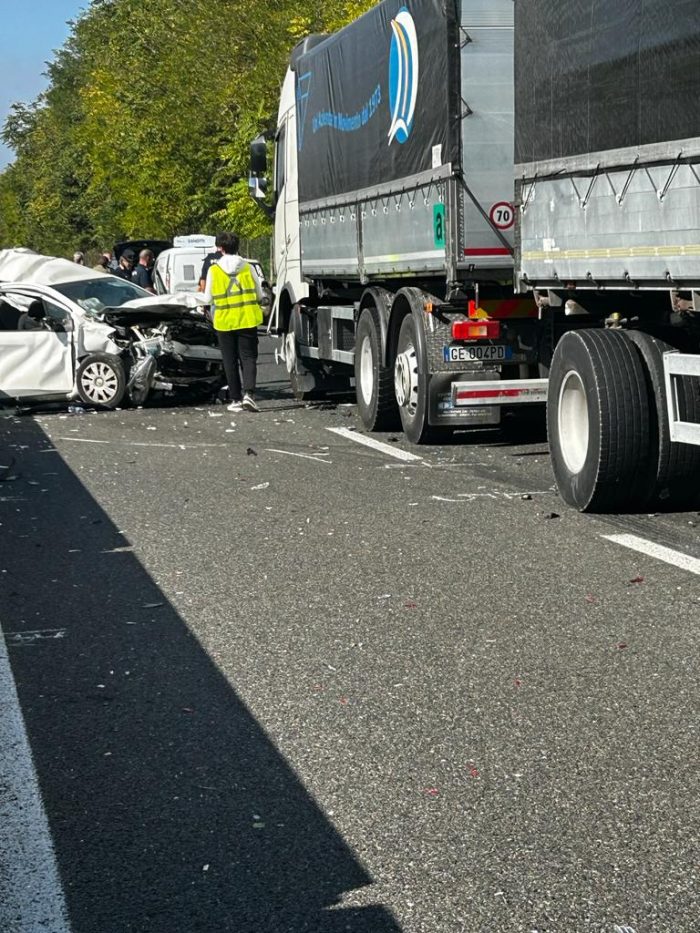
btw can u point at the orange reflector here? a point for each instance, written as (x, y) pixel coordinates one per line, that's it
(476, 330)
(477, 313)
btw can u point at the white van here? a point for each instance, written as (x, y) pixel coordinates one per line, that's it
(177, 269)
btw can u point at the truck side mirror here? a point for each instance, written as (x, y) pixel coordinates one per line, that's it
(258, 156)
(256, 189)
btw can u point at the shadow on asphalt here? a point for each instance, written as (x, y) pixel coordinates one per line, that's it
(170, 808)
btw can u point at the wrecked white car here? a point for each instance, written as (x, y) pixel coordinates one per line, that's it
(67, 332)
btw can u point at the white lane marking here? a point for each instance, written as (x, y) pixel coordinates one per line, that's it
(464, 497)
(82, 440)
(32, 636)
(666, 554)
(291, 453)
(375, 445)
(87, 440)
(31, 897)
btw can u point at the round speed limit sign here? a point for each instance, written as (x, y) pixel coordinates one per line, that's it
(502, 215)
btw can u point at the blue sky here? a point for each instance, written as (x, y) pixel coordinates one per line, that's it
(31, 30)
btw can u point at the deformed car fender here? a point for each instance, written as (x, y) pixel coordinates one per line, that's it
(94, 337)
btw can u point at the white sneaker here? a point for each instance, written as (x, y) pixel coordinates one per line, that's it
(250, 403)
(234, 406)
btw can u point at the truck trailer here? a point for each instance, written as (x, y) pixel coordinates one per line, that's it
(486, 206)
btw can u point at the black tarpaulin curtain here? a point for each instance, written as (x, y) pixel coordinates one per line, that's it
(593, 75)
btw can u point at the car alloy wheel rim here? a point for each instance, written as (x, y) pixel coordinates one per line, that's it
(366, 370)
(572, 421)
(406, 380)
(99, 382)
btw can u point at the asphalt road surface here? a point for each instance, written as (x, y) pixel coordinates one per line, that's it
(276, 680)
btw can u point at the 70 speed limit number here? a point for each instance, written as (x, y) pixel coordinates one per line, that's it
(502, 215)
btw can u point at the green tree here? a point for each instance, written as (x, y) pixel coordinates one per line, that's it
(145, 125)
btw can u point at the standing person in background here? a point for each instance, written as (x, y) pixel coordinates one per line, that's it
(126, 264)
(208, 260)
(142, 273)
(79, 258)
(103, 264)
(234, 291)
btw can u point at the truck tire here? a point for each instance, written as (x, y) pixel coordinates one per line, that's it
(411, 385)
(101, 381)
(374, 383)
(598, 421)
(673, 468)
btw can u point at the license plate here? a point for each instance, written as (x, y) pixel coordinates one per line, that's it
(476, 353)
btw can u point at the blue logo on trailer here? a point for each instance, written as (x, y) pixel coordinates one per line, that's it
(403, 76)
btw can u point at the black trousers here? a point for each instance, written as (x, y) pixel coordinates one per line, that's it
(239, 348)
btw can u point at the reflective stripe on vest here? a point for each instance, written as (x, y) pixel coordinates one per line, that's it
(234, 299)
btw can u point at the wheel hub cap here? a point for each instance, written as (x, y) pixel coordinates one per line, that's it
(406, 379)
(99, 382)
(290, 352)
(573, 422)
(366, 371)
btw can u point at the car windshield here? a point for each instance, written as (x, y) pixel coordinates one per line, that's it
(94, 295)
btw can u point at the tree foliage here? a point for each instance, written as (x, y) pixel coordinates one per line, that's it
(144, 128)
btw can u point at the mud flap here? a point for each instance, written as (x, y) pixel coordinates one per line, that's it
(443, 414)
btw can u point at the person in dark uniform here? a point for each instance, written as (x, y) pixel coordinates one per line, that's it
(126, 264)
(142, 273)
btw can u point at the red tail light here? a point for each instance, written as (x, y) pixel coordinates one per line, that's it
(476, 330)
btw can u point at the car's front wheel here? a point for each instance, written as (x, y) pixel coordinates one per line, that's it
(100, 380)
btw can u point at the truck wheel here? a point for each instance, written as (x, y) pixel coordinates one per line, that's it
(100, 380)
(307, 379)
(673, 468)
(374, 383)
(411, 387)
(598, 421)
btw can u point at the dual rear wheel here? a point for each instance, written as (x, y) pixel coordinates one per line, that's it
(607, 424)
(395, 396)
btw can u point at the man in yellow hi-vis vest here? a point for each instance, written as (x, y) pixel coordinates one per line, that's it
(234, 292)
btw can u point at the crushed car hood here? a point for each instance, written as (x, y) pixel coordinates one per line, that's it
(155, 308)
(182, 300)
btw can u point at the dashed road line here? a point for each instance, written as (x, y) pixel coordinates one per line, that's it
(31, 897)
(387, 449)
(666, 554)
